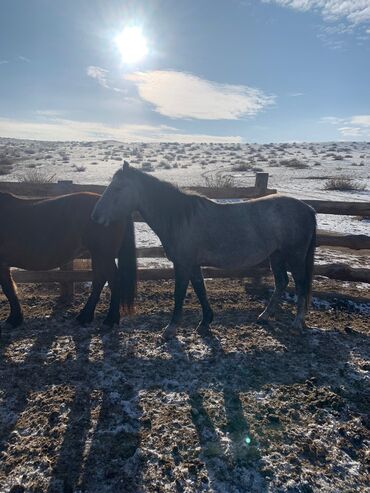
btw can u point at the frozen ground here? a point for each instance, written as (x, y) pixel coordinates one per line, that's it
(195, 164)
(246, 408)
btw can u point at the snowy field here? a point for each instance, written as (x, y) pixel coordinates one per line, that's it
(246, 408)
(301, 170)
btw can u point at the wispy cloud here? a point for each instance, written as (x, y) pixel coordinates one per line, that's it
(351, 131)
(102, 77)
(363, 120)
(354, 11)
(100, 74)
(64, 129)
(2, 62)
(183, 95)
(333, 120)
(357, 126)
(23, 59)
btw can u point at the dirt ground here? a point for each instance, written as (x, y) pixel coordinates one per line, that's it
(248, 408)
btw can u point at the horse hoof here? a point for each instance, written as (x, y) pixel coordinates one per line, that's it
(203, 329)
(109, 324)
(12, 324)
(83, 320)
(111, 320)
(169, 332)
(7, 326)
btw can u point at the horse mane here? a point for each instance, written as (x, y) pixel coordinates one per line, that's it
(174, 206)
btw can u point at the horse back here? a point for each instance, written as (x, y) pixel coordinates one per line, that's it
(45, 233)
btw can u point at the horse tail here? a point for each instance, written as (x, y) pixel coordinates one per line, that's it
(309, 263)
(127, 268)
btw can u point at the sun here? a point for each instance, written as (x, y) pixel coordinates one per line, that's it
(132, 44)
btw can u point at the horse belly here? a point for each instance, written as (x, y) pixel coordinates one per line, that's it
(232, 257)
(39, 257)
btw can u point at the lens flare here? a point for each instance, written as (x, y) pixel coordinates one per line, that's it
(132, 44)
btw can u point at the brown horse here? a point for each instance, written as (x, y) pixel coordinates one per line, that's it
(42, 234)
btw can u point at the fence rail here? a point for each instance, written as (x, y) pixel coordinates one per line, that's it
(339, 272)
(80, 271)
(259, 189)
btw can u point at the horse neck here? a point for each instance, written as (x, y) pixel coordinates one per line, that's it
(148, 208)
(155, 207)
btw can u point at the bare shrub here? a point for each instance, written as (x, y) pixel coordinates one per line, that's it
(36, 176)
(344, 184)
(293, 163)
(79, 169)
(165, 165)
(219, 180)
(147, 167)
(5, 170)
(6, 165)
(242, 166)
(6, 161)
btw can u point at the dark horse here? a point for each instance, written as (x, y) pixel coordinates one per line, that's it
(40, 234)
(196, 231)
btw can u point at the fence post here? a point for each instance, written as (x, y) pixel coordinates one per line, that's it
(261, 183)
(63, 187)
(67, 289)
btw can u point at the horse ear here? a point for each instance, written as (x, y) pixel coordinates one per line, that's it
(125, 165)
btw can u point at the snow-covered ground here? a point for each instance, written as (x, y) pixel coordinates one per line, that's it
(297, 169)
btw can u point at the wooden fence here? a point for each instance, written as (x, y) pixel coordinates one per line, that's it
(76, 270)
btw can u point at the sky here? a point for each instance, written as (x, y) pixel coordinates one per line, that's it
(210, 71)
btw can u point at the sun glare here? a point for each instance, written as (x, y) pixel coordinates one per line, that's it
(132, 44)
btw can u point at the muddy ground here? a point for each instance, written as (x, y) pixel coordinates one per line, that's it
(248, 408)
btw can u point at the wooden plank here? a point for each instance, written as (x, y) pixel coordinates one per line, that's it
(231, 193)
(59, 276)
(340, 272)
(67, 289)
(150, 252)
(340, 207)
(23, 276)
(40, 190)
(353, 242)
(64, 187)
(52, 189)
(141, 252)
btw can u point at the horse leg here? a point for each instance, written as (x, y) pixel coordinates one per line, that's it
(86, 315)
(279, 270)
(197, 282)
(9, 288)
(182, 278)
(113, 315)
(298, 270)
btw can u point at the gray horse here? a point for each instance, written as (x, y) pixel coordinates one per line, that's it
(196, 231)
